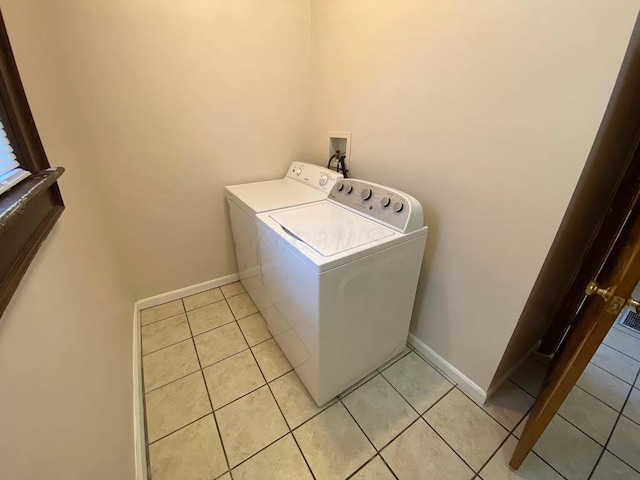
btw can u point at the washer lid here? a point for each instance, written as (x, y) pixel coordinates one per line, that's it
(329, 229)
(274, 194)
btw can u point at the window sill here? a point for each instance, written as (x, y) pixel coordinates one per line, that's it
(28, 212)
(13, 202)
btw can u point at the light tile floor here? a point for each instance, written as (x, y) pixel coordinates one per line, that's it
(223, 402)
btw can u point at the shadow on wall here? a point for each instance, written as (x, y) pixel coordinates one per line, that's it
(432, 220)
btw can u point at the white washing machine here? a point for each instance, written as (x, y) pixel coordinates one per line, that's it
(303, 183)
(340, 278)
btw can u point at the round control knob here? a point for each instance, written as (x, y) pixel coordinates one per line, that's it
(398, 206)
(365, 194)
(349, 188)
(324, 178)
(340, 186)
(298, 171)
(385, 201)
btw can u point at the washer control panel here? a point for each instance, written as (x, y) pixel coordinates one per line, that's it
(313, 175)
(388, 206)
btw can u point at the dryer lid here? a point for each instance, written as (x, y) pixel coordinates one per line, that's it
(329, 229)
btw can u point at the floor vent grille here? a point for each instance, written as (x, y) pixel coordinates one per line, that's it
(631, 320)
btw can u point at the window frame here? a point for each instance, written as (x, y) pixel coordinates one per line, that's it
(30, 209)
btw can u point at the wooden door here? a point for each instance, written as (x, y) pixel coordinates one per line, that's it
(617, 278)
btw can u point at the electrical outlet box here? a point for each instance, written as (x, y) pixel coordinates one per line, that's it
(341, 141)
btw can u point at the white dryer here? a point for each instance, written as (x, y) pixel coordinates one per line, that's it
(340, 278)
(303, 183)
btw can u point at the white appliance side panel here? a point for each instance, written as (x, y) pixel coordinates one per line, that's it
(291, 307)
(245, 237)
(366, 309)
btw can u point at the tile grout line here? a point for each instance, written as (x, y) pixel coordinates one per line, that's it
(491, 416)
(421, 417)
(613, 374)
(576, 427)
(162, 320)
(615, 425)
(512, 433)
(185, 311)
(624, 330)
(600, 400)
(477, 472)
(145, 392)
(180, 428)
(620, 351)
(167, 346)
(224, 451)
(272, 396)
(388, 466)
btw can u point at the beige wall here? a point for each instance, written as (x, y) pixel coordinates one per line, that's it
(65, 339)
(178, 100)
(485, 111)
(605, 168)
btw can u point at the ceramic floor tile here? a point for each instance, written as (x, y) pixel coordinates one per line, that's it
(166, 310)
(470, 431)
(333, 444)
(202, 298)
(589, 414)
(356, 385)
(192, 453)
(632, 408)
(567, 449)
(612, 468)
(173, 406)
(533, 467)
(625, 442)
(616, 363)
(232, 377)
(169, 364)
(508, 405)
(623, 342)
(209, 317)
(241, 306)
(232, 289)
(417, 381)
(279, 461)
(294, 400)
(271, 360)
(530, 376)
(379, 410)
(164, 333)
(604, 386)
(419, 453)
(250, 424)
(254, 329)
(226, 476)
(220, 343)
(374, 470)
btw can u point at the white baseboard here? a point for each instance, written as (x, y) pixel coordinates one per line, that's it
(498, 383)
(186, 291)
(139, 434)
(462, 381)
